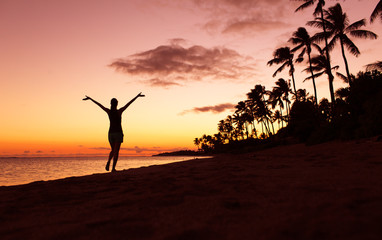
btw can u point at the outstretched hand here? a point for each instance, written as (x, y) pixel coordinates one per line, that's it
(140, 95)
(86, 98)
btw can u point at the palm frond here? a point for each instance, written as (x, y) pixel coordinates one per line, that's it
(307, 3)
(320, 37)
(319, 7)
(342, 92)
(377, 11)
(301, 55)
(280, 69)
(332, 42)
(317, 47)
(342, 77)
(299, 59)
(314, 76)
(353, 49)
(363, 34)
(275, 61)
(295, 41)
(356, 25)
(335, 67)
(297, 47)
(315, 23)
(374, 66)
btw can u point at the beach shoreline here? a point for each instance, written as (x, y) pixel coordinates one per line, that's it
(326, 191)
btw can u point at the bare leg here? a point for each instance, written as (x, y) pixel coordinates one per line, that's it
(116, 148)
(108, 161)
(110, 156)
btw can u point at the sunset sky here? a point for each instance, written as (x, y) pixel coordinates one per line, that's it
(193, 59)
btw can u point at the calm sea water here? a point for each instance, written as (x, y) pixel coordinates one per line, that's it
(15, 171)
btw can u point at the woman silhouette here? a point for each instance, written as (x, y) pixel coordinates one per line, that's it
(115, 129)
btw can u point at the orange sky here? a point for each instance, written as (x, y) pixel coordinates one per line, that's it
(55, 52)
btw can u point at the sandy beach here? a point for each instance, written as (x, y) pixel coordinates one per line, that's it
(326, 191)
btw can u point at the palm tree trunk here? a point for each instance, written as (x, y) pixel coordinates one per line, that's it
(267, 128)
(346, 62)
(292, 71)
(246, 129)
(287, 108)
(254, 129)
(328, 66)
(282, 122)
(273, 127)
(313, 80)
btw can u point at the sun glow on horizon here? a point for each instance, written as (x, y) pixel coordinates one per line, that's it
(193, 62)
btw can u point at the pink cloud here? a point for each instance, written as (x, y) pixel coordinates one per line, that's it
(157, 82)
(243, 16)
(213, 109)
(177, 64)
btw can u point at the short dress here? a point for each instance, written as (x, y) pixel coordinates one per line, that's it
(115, 130)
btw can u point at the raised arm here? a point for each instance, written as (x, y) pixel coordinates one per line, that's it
(99, 104)
(131, 101)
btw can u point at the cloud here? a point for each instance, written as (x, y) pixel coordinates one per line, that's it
(245, 16)
(234, 16)
(139, 150)
(213, 109)
(26, 152)
(174, 65)
(157, 82)
(252, 25)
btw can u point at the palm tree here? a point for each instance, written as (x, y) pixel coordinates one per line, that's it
(326, 109)
(238, 120)
(241, 110)
(343, 93)
(319, 11)
(377, 11)
(277, 116)
(374, 66)
(275, 98)
(284, 88)
(228, 128)
(284, 56)
(338, 27)
(302, 39)
(301, 95)
(197, 142)
(257, 103)
(319, 65)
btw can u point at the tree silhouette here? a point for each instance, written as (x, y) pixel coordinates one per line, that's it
(319, 65)
(377, 11)
(257, 103)
(338, 28)
(276, 98)
(197, 142)
(320, 11)
(284, 88)
(301, 95)
(277, 116)
(242, 111)
(302, 39)
(374, 66)
(284, 56)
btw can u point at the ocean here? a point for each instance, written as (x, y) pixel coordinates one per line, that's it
(23, 170)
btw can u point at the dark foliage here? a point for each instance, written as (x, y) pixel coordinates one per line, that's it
(357, 113)
(304, 119)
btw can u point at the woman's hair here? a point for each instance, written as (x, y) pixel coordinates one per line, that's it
(114, 103)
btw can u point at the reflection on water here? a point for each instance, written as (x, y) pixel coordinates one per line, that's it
(16, 171)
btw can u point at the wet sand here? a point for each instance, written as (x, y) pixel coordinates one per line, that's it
(326, 191)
